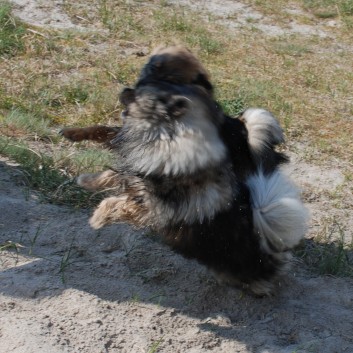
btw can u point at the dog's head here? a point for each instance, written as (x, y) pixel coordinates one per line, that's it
(177, 65)
(170, 129)
(154, 104)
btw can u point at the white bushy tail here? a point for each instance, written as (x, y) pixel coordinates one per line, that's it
(264, 130)
(279, 215)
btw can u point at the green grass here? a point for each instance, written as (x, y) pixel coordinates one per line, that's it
(290, 48)
(33, 240)
(233, 107)
(174, 22)
(9, 245)
(209, 45)
(76, 95)
(71, 78)
(66, 261)
(330, 8)
(341, 10)
(11, 32)
(154, 348)
(328, 253)
(124, 25)
(78, 85)
(28, 123)
(53, 177)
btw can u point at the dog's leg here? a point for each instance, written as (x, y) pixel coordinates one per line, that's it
(97, 133)
(100, 181)
(129, 206)
(122, 208)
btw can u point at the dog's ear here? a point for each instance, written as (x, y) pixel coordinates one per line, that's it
(203, 81)
(177, 106)
(156, 63)
(127, 96)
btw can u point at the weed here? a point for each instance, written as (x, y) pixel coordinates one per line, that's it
(347, 7)
(328, 253)
(175, 22)
(291, 49)
(42, 173)
(129, 248)
(33, 240)
(326, 14)
(155, 346)
(157, 298)
(127, 25)
(135, 298)
(233, 107)
(88, 160)
(205, 41)
(37, 126)
(66, 261)
(267, 94)
(11, 31)
(10, 245)
(330, 8)
(76, 95)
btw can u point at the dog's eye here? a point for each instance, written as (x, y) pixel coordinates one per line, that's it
(163, 100)
(179, 104)
(178, 107)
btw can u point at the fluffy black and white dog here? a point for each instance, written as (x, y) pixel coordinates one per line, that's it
(209, 185)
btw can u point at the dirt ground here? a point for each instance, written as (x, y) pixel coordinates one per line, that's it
(72, 289)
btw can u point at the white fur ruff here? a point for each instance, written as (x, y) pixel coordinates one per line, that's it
(279, 215)
(194, 146)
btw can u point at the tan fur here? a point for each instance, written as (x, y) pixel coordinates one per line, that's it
(99, 181)
(178, 60)
(127, 207)
(119, 209)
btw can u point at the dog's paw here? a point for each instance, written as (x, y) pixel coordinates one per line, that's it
(119, 209)
(87, 181)
(110, 210)
(259, 288)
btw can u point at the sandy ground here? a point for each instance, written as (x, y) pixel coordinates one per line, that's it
(73, 289)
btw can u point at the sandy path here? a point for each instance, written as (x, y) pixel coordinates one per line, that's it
(120, 291)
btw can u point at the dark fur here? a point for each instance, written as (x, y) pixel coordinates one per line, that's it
(198, 201)
(203, 210)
